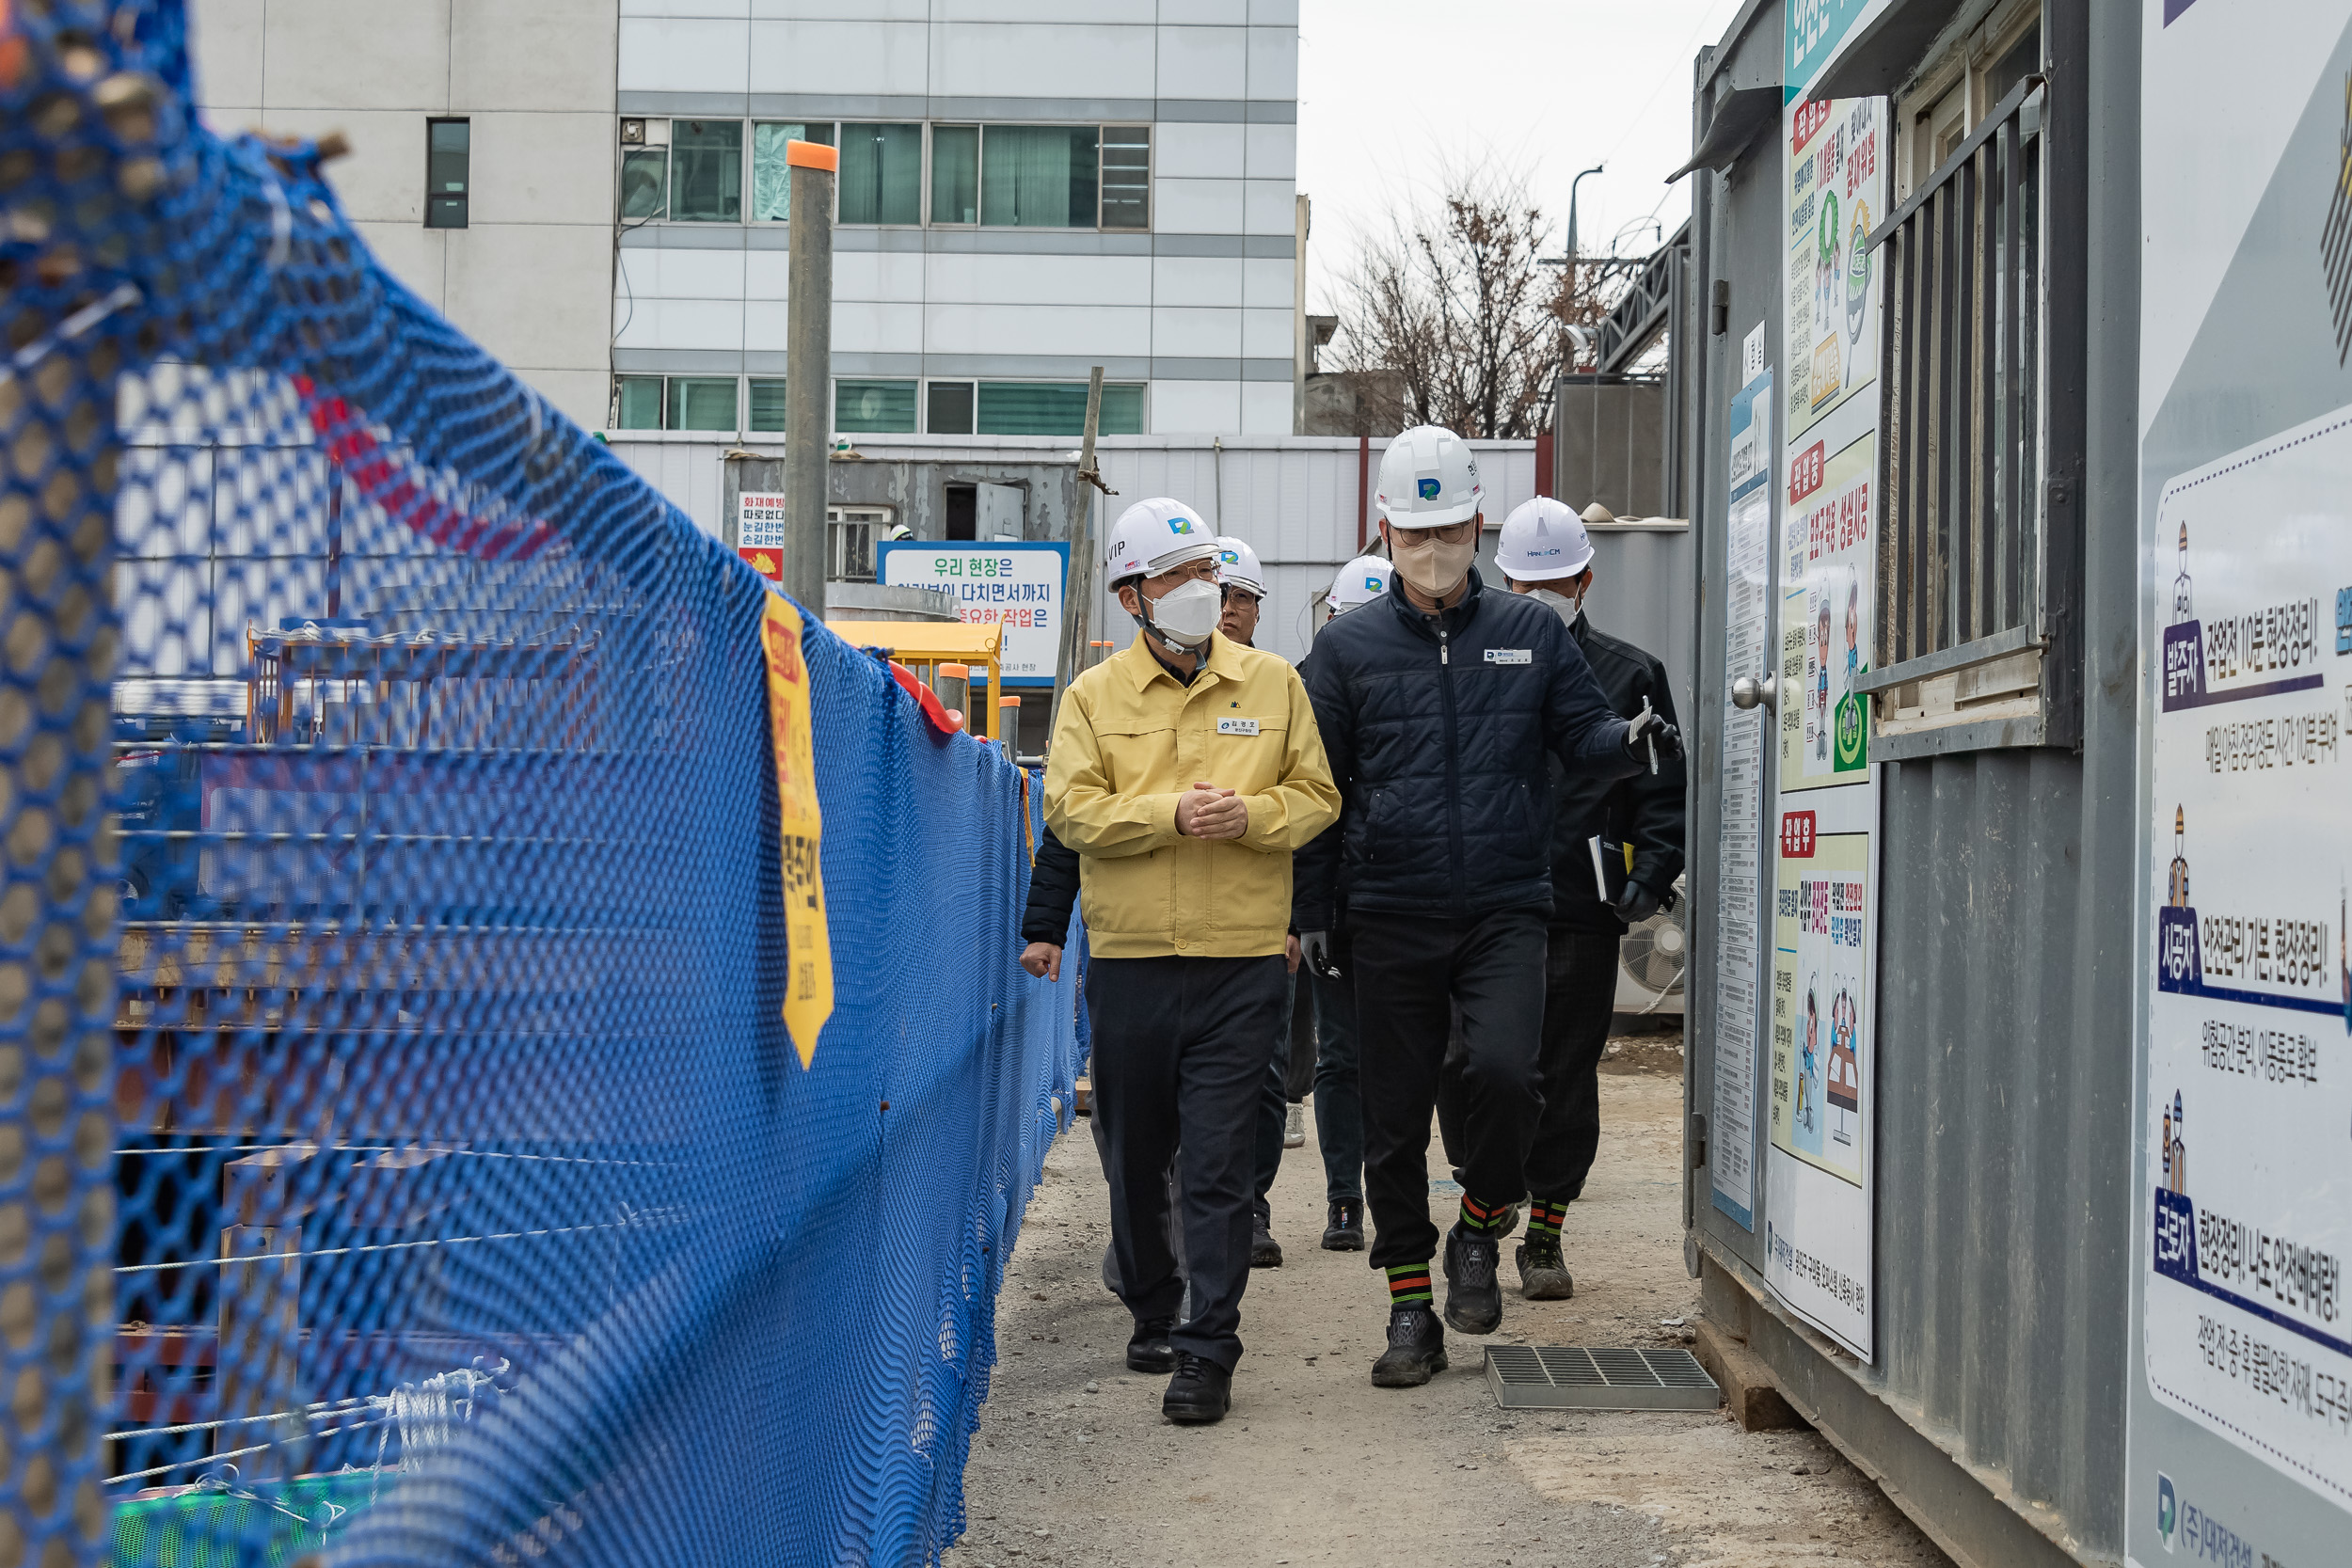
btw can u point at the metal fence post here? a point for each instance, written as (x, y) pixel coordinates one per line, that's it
(808, 369)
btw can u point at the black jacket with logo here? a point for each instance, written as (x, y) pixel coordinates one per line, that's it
(1644, 813)
(1437, 728)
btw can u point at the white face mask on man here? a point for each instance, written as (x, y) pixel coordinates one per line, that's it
(1185, 614)
(1428, 563)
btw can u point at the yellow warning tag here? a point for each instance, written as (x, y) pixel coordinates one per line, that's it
(808, 992)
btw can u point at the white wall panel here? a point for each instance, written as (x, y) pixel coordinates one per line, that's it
(1274, 62)
(1071, 330)
(882, 274)
(872, 327)
(763, 323)
(844, 10)
(1196, 333)
(328, 55)
(529, 54)
(1141, 13)
(1265, 407)
(713, 323)
(1280, 13)
(970, 279)
(1197, 280)
(1266, 284)
(1188, 150)
(690, 473)
(839, 57)
(684, 54)
(683, 273)
(1270, 207)
(686, 8)
(1197, 206)
(1268, 335)
(1179, 408)
(534, 168)
(1273, 151)
(1204, 62)
(767, 273)
(991, 59)
(226, 38)
(1174, 12)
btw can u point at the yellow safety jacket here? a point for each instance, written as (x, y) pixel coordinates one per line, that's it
(1131, 738)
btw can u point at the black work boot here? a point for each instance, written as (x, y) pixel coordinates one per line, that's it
(1416, 1350)
(1147, 1349)
(1543, 1274)
(1201, 1393)
(1474, 1296)
(1345, 1232)
(1265, 1251)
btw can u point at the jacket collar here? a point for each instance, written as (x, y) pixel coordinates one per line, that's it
(1143, 666)
(1455, 616)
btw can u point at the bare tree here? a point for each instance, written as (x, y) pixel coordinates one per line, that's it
(1447, 317)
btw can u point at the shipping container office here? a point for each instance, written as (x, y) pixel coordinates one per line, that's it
(1916, 265)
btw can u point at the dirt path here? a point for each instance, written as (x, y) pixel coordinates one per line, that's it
(1074, 1463)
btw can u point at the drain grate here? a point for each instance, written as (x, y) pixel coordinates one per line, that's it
(1571, 1377)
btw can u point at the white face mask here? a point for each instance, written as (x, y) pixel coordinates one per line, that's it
(1429, 563)
(1185, 614)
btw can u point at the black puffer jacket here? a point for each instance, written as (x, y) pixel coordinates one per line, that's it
(1437, 727)
(1053, 891)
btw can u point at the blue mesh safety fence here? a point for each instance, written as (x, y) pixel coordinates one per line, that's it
(402, 1159)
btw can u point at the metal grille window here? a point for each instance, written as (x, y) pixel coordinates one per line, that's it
(1964, 625)
(849, 535)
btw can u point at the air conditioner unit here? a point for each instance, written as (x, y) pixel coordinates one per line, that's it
(1651, 961)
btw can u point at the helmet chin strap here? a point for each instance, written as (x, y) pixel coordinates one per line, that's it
(1166, 640)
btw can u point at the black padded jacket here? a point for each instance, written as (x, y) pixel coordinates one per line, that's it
(1437, 728)
(1053, 891)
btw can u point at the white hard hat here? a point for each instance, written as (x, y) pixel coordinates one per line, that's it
(1154, 536)
(1237, 564)
(1360, 581)
(1541, 541)
(1429, 478)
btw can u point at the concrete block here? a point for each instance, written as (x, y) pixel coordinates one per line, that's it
(1750, 1394)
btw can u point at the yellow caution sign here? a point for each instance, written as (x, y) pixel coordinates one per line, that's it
(808, 991)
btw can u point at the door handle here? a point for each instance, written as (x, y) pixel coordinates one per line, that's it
(1748, 691)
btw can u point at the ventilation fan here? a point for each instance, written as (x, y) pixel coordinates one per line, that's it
(1651, 961)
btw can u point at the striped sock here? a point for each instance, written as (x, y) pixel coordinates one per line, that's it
(1484, 1219)
(1543, 1219)
(1409, 1286)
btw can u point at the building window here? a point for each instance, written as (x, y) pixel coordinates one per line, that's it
(954, 174)
(674, 402)
(948, 408)
(771, 177)
(706, 170)
(1056, 408)
(766, 403)
(645, 183)
(873, 407)
(448, 172)
(881, 174)
(1040, 175)
(1126, 177)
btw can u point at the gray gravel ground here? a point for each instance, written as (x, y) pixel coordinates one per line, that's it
(1074, 1464)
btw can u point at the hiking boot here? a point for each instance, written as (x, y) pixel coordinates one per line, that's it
(1265, 1251)
(1201, 1393)
(1147, 1349)
(1543, 1277)
(1345, 1232)
(1416, 1350)
(1294, 1127)
(1473, 1298)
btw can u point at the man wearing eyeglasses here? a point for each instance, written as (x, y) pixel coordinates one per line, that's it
(1437, 706)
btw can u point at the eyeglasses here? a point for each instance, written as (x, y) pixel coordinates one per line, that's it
(1450, 533)
(1191, 571)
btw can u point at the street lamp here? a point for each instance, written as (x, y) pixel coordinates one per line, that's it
(1572, 185)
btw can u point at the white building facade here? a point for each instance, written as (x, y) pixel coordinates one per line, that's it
(1028, 189)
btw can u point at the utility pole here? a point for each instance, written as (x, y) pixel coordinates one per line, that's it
(808, 371)
(1077, 614)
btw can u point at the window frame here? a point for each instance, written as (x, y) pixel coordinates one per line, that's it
(465, 197)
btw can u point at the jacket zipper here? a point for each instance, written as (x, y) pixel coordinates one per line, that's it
(1452, 764)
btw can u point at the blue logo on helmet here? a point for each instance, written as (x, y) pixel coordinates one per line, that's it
(1429, 488)
(1372, 584)
(1180, 524)
(1229, 558)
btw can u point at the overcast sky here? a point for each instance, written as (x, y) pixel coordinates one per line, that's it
(1389, 92)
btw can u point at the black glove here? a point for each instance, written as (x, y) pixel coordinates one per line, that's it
(1315, 948)
(1637, 903)
(1646, 731)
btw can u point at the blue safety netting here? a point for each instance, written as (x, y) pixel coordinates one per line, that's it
(402, 1159)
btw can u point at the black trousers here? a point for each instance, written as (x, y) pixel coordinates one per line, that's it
(1274, 1108)
(1181, 1048)
(1579, 998)
(1410, 974)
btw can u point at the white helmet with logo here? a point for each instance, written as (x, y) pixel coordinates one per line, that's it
(1154, 536)
(1542, 541)
(1360, 581)
(1428, 479)
(1237, 566)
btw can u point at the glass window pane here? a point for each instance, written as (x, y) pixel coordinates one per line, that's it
(1056, 408)
(950, 408)
(954, 174)
(767, 403)
(701, 403)
(645, 183)
(771, 178)
(1039, 176)
(881, 174)
(873, 407)
(1122, 411)
(706, 170)
(1126, 177)
(640, 403)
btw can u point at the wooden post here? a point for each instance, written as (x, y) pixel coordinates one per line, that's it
(1078, 610)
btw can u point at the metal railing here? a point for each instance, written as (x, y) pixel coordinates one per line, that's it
(1959, 540)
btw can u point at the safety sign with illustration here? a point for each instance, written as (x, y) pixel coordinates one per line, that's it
(2250, 994)
(1826, 572)
(1821, 983)
(1836, 191)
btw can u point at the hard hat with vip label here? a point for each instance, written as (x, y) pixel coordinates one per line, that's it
(1154, 536)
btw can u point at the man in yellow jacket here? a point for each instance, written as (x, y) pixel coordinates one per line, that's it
(1184, 771)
